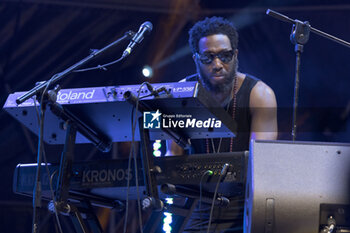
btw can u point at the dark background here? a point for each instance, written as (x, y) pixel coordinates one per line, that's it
(39, 38)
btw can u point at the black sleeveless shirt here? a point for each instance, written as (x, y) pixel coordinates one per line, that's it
(242, 118)
(230, 218)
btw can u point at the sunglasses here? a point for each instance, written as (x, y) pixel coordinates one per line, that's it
(207, 58)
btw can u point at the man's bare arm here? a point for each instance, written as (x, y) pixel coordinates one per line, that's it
(263, 108)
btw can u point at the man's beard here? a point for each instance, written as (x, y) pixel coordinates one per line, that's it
(222, 87)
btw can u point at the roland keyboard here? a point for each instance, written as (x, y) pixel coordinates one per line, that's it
(109, 178)
(104, 111)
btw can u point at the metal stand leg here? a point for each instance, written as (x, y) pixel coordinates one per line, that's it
(150, 171)
(91, 218)
(62, 188)
(78, 220)
(88, 214)
(65, 170)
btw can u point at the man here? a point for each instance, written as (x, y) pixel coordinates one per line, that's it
(251, 103)
(214, 42)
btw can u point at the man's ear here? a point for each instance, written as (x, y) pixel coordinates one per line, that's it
(236, 53)
(194, 58)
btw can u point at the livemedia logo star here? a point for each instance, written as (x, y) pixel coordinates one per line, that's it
(151, 120)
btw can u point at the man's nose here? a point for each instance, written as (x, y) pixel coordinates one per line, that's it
(217, 64)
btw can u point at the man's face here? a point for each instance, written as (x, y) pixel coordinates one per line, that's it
(216, 62)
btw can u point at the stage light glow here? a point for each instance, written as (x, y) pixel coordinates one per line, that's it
(169, 200)
(147, 71)
(157, 153)
(156, 148)
(167, 220)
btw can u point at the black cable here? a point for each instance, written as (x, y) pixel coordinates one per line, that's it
(207, 172)
(133, 154)
(37, 182)
(155, 92)
(128, 181)
(48, 173)
(36, 109)
(52, 193)
(99, 67)
(222, 173)
(135, 159)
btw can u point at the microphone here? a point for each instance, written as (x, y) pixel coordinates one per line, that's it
(145, 27)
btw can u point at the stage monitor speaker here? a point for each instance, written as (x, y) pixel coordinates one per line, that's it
(294, 187)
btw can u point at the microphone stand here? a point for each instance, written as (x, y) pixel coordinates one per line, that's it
(299, 37)
(39, 88)
(38, 91)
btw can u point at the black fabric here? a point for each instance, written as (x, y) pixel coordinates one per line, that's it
(242, 118)
(230, 218)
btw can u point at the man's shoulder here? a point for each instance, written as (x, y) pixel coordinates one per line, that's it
(262, 95)
(257, 84)
(248, 79)
(262, 87)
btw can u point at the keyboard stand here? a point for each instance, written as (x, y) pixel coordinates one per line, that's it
(72, 124)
